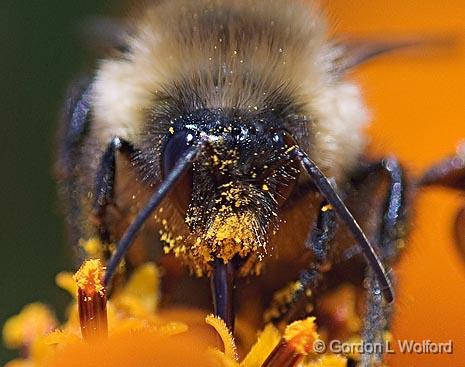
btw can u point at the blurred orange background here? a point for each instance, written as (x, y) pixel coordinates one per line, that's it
(417, 102)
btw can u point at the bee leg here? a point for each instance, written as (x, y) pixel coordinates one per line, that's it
(375, 323)
(394, 212)
(104, 183)
(318, 242)
(322, 233)
(73, 128)
(222, 289)
(459, 231)
(378, 312)
(450, 173)
(324, 185)
(284, 310)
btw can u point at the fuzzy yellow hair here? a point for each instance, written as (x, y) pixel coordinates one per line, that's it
(245, 55)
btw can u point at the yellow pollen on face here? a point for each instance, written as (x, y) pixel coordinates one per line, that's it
(232, 234)
(234, 227)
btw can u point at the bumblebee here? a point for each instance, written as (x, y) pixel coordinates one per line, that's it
(223, 137)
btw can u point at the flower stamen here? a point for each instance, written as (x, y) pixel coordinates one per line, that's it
(92, 300)
(226, 337)
(296, 343)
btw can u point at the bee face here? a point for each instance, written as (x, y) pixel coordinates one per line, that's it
(231, 197)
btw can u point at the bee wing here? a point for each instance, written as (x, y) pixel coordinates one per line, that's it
(73, 128)
(103, 34)
(358, 51)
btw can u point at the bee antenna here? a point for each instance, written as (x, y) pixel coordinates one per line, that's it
(162, 190)
(325, 187)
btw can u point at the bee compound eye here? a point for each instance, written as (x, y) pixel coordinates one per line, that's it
(176, 146)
